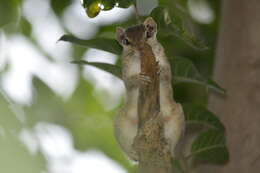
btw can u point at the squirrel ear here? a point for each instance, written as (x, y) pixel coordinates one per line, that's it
(151, 27)
(150, 22)
(120, 34)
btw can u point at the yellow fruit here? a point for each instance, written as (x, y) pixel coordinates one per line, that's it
(93, 9)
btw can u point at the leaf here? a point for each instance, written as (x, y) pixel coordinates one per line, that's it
(189, 38)
(110, 68)
(86, 3)
(59, 6)
(90, 123)
(124, 3)
(8, 12)
(173, 26)
(106, 44)
(25, 26)
(161, 16)
(210, 146)
(200, 115)
(185, 71)
(11, 128)
(108, 4)
(11, 115)
(177, 166)
(43, 95)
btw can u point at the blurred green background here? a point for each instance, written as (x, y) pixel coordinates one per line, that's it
(57, 117)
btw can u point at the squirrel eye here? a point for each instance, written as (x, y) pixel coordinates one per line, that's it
(125, 41)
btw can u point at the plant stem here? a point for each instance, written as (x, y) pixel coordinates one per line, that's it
(136, 12)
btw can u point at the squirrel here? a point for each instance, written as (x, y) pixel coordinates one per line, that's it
(126, 121)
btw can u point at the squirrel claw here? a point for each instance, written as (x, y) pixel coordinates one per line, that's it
(144, 79)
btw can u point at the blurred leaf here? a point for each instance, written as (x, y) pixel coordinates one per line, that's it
(213, 83)
(83, 114)
(109, 45)
(78, 51)
(11, 148)
(124, 3)
(110, 68)
(210, 146)
(86, 3)
(9, 113)
(8, 11)
(5, 67)
(190, 93)
(200, 115)
(26, 27)
(108, 4)
(173, 26)
(91, 125)
(59, 6)
(47, 106)
(14, 152)
(189, 38)
(161, 16)
(184, 71)
(177, 167)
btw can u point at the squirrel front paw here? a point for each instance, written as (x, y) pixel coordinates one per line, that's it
(144, 79)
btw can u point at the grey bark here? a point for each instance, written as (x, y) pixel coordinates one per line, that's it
(237, 69)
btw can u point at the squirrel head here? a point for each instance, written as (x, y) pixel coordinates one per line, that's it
(135, 36)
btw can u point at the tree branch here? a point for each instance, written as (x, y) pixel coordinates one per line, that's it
(153, 151)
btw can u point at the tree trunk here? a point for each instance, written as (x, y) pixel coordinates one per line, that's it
(238, 71)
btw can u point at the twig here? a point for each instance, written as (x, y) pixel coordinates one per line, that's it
(136, 12)
(153, 152)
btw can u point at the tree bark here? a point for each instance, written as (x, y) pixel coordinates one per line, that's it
(154, 154)
(237, 69)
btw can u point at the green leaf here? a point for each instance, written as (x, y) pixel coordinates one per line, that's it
(8, 11)
(189, 38)
(195, 114)
(11, 125)
(43, 95)
(185, 71)
(161, 16)
(124, 3)
(108, 4)
(173, 26)
(177, 166)
(106, 44)
(59, 6)
(110, 68)
(91, 124)
(86, 3)
(210, 146)
(25, 26)
(11, 115)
